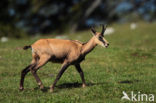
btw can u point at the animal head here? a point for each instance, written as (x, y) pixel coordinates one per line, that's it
(99, 37)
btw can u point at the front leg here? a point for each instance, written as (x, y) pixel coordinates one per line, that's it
(78, 68)
(63, 68)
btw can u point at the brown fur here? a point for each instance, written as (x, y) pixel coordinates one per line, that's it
(67, 52)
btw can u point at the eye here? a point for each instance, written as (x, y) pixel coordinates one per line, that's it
(100, 38)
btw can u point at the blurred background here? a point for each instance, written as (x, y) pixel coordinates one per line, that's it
(21, 18)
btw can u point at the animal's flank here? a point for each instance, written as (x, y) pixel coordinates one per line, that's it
(26, 47)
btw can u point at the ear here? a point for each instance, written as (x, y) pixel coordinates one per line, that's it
(103, 30)
(93, 31)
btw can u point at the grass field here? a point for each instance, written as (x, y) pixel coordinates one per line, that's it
(129, 64)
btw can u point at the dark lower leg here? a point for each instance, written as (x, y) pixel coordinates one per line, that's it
(64, 67)
(23, 73)
(43, 60)
(39, 82)
(78, 68)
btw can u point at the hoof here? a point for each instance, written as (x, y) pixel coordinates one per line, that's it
(51, 90)
(42, 87)
(21, 89)
(83, 85)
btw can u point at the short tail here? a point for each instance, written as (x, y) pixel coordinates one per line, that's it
(26, 47)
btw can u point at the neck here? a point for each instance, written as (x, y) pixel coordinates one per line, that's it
(89, 46)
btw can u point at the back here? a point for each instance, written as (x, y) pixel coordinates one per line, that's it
(56, 47)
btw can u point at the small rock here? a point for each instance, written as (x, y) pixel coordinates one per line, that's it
(133, 26)
(4, 39)
(51, 75)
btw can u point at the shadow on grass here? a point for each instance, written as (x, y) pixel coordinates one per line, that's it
(76, 85)
(69, 86)
(128, 81)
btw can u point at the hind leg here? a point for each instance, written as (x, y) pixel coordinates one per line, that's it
(42, 61)
(23, 74)
(26, 70)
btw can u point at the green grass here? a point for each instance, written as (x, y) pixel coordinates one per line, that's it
(129, 64)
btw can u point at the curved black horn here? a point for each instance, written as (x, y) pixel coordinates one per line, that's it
(103, 29)
(93, 30)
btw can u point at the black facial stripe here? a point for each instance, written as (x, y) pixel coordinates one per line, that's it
(101, 39)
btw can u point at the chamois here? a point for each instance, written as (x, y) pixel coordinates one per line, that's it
(67, 52)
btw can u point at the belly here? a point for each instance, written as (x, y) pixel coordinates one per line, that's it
(57, 60)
